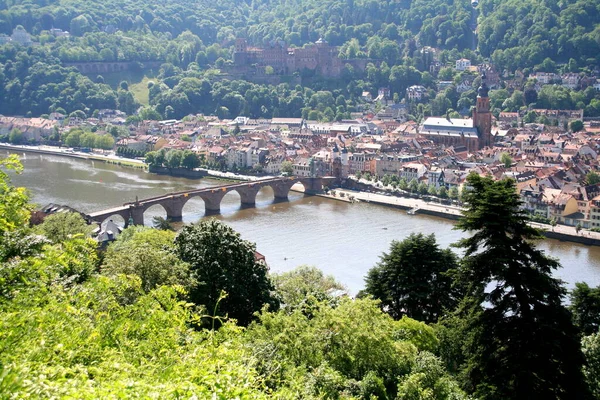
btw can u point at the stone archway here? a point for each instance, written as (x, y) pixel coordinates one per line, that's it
(193, 209)
(155, 210)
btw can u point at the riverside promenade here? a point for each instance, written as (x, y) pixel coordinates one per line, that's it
(419, 206)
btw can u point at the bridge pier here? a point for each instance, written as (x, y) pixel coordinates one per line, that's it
(174, 208)
(136, 214)
(281, 189)
(248, 195)
(212, 201)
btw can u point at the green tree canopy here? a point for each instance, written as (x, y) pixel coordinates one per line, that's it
(16, 136)
(506, 159)
(414, 279)
(592, 178)
(591, 370)
(576, 125)
(585, 306)
(287, 167)
(221, 261)
(62, 226)
(305, 285)
(148, 253)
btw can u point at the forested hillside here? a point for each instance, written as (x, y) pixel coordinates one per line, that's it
(196, 41)
(556, 29)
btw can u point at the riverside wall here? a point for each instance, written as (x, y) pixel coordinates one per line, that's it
(419, 206)
(179, 172)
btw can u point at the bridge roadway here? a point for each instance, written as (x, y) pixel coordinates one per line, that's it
(173, 203)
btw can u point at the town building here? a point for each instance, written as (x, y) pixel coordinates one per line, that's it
(474, 133)
(416, 93)
(463, 64)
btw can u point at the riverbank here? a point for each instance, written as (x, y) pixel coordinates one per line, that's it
(411, 205)
(418, 206)
(123, 162)
(62, 152)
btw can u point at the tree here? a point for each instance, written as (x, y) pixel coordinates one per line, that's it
(287, 168)
(592, 178)
(72, 139)
(591, 350)
(305, 285)
(148, 253)
(414, 279)
(453, 193)
(585, 306)
(88, 139)
(506, 159)
(14, 201)
(152, 159)
(173, 158)
(520, 340)
(62, 226)
(15, 136)
(190, 160)
(104, 142)
(442, 192)
(162, 224)
(221, 261)
(413, 185)
(576, 125)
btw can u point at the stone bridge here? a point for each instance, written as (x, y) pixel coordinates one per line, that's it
(173, 203)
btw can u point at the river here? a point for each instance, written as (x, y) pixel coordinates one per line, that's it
(342, 239)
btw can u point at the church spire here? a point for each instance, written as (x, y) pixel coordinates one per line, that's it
(482, 117)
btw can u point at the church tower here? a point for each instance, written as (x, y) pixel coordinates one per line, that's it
(482, 117)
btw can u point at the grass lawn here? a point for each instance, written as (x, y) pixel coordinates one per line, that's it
(140, 90)
(137, 80)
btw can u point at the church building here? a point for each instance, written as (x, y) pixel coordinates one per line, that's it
(473, 133)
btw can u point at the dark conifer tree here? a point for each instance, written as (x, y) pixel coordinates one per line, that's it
(521, 342)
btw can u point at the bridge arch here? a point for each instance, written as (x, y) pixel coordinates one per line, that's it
(154, 210)
(233, 200)
(118, 219)
(265, 196)
(193, 209)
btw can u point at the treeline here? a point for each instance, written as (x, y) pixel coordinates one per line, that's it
(80, 138)
(129, 152)
(551, 29)
(160, 314)
(379, 29)
(175, 158)
(33, 83)
(179, 92)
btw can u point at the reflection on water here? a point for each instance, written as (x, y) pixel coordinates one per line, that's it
(342, 239)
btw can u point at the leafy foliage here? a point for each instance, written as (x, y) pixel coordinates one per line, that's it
(62, 226)
(106, 338)
(149, 254)
(413, 279)
(304, 286)
(14, 201)
(591, 369)
(585, 306)
(221, 261)
(352, 350)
